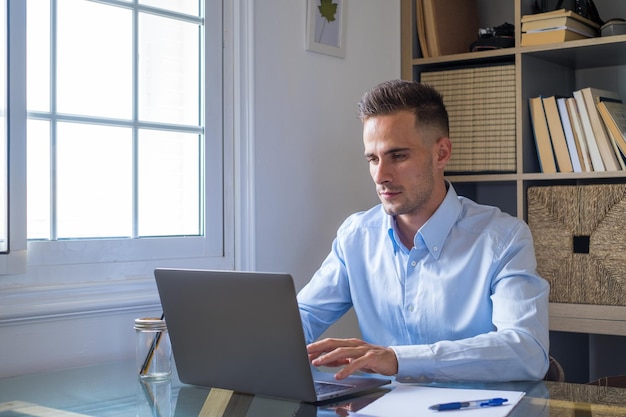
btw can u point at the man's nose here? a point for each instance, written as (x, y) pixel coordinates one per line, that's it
(381, 173)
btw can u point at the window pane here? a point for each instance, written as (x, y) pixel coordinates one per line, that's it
(182, 6)
(169, 183)
(94, 59)
(38, 57)
(4, 195)
(169, 71)
(38, 174)
(94, 190)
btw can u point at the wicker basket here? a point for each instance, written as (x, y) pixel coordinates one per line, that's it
(580, 241)
(481, 107)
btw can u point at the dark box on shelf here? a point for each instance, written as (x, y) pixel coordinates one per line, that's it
(580, 241)
(614, 28)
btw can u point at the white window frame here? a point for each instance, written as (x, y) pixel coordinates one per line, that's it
(80, 261)
(15, 260)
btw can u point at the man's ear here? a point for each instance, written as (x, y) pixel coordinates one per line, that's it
(444, 151)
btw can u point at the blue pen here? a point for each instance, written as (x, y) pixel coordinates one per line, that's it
(491, 402)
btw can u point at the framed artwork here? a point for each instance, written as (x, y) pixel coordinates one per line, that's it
(326, 32)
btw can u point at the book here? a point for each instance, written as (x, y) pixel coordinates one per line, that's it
(542, 135)
(449, 26)
(614, 116)
(594, 151)
(420, 24)
(557, 135)
(579, 134)
(591, 97)
(556, 18)
(550, 36)
(560, 23)
(617, 150)
(572, 145)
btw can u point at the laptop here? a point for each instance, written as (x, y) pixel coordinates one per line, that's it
(242, 331)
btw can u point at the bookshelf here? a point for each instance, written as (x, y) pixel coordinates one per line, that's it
(551, 69)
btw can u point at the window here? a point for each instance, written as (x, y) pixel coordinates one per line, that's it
(122, 151)
(4, 166)
(13, 114)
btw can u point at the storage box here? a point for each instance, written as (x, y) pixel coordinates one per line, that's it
(481, 108)
(613, 28)
(580, 241)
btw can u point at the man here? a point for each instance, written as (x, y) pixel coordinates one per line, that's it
(443, 288)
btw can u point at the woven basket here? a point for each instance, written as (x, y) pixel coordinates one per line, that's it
(481, 107)
(580, 241)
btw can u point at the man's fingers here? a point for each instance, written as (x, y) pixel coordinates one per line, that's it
(355, 355)
(325, 346)
(339, 355)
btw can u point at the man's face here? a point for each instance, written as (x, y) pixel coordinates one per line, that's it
(401, 164)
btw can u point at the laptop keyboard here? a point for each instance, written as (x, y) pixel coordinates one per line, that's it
(328, 387)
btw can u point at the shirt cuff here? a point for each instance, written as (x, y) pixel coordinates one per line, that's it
(416, 363)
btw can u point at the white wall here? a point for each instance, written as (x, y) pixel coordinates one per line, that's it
(309, 175)
(310, 170)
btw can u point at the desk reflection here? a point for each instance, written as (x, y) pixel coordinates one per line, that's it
(154, 397)
(196, 401)
(542, 399)
(113, 390)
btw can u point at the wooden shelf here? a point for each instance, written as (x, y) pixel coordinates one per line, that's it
(555, 69)
(583, 318)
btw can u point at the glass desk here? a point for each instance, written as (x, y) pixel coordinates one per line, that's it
(113, 389)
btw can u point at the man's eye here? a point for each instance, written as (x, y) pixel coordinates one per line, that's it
(398, 156)
(372, 160)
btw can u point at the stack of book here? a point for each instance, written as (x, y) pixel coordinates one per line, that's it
(582, 133)
(481, 107)
(556, 26)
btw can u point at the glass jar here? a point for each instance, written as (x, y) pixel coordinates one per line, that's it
(154, 350)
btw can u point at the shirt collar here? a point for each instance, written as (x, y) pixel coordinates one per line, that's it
(436, 230)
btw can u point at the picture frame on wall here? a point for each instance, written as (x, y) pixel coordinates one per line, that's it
(325, 31)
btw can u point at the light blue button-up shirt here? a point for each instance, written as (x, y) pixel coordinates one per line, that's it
(465, 303)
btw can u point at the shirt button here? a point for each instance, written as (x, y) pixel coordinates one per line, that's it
(413, 263)
(411, 309)
(435, 248)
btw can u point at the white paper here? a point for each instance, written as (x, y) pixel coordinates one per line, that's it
(411, 401)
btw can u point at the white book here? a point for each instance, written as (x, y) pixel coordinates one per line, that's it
(579, 134)
(592, 96)
(569, 134)
(594, 152)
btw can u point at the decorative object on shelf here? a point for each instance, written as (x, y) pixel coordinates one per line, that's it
(446, 27)
(326, 31)
(481, 105)
(498, 37)
(580, 242)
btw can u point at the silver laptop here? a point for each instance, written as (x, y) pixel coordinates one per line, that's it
(242, 331)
